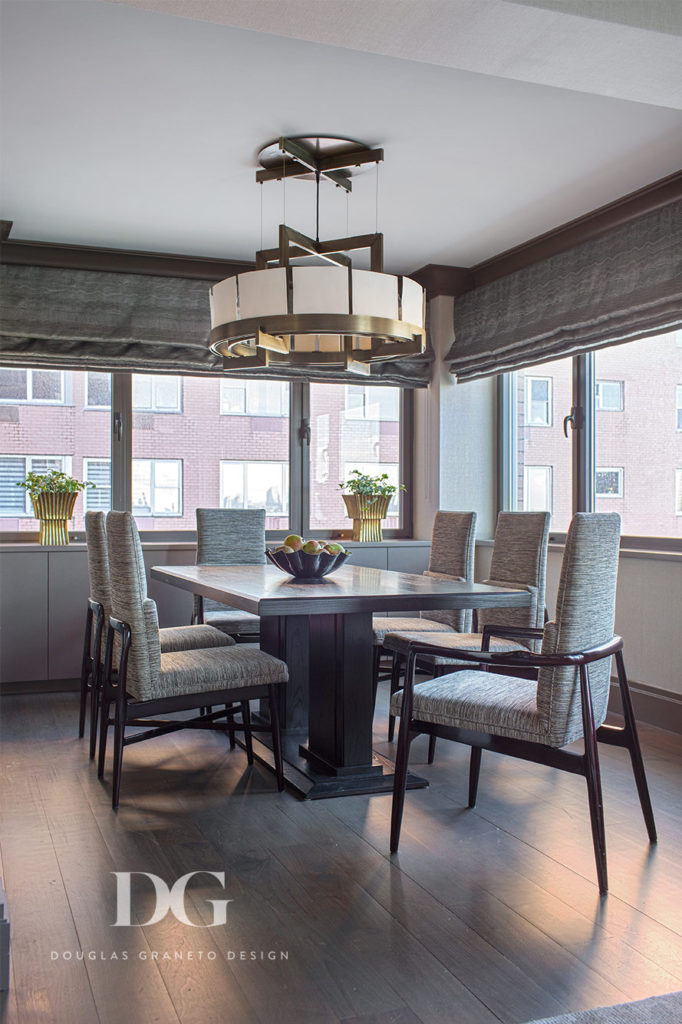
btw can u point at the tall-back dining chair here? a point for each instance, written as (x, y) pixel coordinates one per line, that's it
(173, 638)
(535, 720)
(229, 536)
(519, 561)
(452, 557)
(149, 682)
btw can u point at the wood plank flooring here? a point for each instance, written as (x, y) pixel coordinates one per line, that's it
(484, 916)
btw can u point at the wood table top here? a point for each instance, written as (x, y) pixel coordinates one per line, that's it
(265, 590)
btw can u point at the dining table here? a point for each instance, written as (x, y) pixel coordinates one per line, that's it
(323, 630)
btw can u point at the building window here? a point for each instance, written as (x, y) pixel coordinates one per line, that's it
(372, 403)
(609, 483)
(157, 487)
(98, 391)
(98, 472)
(254, 398)
(156, 393)
(15, 501)
(537, 488)
(32, 387)
(608, 396)
(255, 485)
(539, 401)
(678, 407)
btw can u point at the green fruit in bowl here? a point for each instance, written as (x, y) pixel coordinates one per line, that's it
(312, 547)
(284, 549)
(294, 542)
(334, 549)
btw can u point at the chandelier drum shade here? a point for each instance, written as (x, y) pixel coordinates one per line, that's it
(334, 315)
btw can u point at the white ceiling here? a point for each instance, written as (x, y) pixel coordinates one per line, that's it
(136, 124)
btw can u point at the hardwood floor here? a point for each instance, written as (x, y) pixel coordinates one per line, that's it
(485, 915)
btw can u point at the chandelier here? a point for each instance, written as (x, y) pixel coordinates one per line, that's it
(287, 313)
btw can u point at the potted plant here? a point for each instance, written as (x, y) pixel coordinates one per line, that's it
(367, 503)
(53, 496)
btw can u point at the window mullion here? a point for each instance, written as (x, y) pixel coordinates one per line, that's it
(121, 441)
(299, 459)
(583, 433)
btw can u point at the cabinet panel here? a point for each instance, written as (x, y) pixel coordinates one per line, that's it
(174, 605)
(23, 616)
(68, 590)
(371, 557)
(410, 558)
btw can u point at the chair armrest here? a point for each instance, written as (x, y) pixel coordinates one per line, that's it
(518, 659)
(509, 633)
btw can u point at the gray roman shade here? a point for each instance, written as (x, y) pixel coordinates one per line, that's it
(621, 285)
(95, 320)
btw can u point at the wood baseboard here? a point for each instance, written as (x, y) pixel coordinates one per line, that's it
(41, 686)
(652, 706)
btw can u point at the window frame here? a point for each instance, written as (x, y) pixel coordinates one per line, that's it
(583, 425)
(121, 415)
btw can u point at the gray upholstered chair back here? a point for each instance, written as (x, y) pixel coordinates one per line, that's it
(130, 603)
(229, 536)
(453, 542)
(519, 560)
(585, 613)
(98, 560)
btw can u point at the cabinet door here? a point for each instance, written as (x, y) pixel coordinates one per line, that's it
(68, 590)
(23, 616)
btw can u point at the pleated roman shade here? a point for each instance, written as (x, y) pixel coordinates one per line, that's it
(116, 322)
(621, 285)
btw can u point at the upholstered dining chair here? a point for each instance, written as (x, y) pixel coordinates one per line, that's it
(519, 561)
(229, 536)
(148, 682)
(173, 638)
(452, 557)
(536, 720)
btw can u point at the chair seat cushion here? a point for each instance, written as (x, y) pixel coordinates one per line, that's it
(234, 621)
(381, 626)
(480, 701)
(399, 642)
(192, 638)
(215, 668)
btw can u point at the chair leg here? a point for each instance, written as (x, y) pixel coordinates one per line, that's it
(474, 771)
(95, 697)
(432, 749)
(635, 749)
(230, 727)
(119, 734)
(273, 698)
(395, 686)
(402, 759)
(248, 741)
(105, 706)
(593, 779)
(87, 669)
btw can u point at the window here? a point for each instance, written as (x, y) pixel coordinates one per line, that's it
(538, 401)
(608, 483)
(256, 485)
(98, 391)
(352, 427)
(157, 487)
(608, 395)
(34, 387)
(372, 403)
(15, 501)
(98, 472)
(254, 398)
(156, 393)
(537, 488)
(602, 452)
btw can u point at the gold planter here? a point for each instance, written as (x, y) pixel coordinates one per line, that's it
(54, 509)
(366, 515)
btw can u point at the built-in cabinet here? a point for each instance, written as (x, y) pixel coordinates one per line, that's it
(44, 590)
